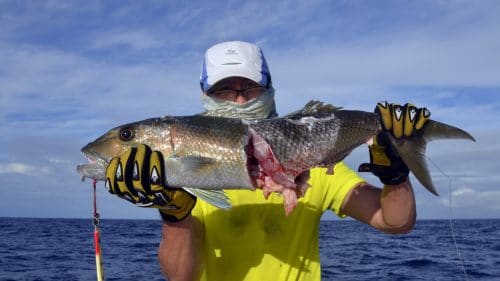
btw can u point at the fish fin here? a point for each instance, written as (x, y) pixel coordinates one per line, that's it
(313, 107)
(412, 150)
(434, 130)
(215, 197)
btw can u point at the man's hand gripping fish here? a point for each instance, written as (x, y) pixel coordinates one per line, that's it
(205, 155)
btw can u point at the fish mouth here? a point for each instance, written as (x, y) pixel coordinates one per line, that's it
(95, 169)
(94, 158)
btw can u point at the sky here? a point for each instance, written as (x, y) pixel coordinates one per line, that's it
(71, 70)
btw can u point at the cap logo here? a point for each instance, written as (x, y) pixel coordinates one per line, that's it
(231, 52)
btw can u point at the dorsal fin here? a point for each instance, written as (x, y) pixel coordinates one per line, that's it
(313, 108)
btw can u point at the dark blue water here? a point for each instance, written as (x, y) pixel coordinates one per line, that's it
(61, 249)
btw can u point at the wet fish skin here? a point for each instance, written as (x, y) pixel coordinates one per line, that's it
(216, 153)
(317, 139)
(212, 152)
(200, 156)
(211, 148)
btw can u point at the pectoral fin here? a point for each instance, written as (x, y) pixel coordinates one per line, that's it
(217, 198)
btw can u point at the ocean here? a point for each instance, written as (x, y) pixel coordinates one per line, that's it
(62, 249)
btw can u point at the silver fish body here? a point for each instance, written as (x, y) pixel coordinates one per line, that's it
(199, 151)
(216, 153)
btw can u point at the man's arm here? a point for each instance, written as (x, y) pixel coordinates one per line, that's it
(390, 210)
(180, 252)
(138, 176)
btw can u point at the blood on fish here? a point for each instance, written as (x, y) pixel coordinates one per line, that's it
(272, 174)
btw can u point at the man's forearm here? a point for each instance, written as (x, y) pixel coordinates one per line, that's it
(180, 251)
(398, 207)
(391, 209)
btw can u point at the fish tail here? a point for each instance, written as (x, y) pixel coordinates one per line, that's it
(412, 150)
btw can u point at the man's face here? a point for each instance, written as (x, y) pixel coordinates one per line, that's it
(236, 89)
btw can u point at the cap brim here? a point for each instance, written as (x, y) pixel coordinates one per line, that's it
(239, 71)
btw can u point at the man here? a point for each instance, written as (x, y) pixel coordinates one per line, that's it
(254, 240)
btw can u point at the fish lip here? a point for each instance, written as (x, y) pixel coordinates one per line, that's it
(95, 168)
(94, 158)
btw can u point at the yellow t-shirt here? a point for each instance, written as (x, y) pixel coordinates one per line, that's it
(254, 240)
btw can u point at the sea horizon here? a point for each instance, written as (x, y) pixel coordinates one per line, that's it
(153, 219)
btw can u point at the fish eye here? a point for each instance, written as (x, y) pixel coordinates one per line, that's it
(126, 134)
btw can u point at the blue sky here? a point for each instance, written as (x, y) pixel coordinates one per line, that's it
(70, 70)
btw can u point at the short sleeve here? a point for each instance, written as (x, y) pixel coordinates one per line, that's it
(336, 186)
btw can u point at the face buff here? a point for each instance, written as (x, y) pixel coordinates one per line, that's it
(258, 108)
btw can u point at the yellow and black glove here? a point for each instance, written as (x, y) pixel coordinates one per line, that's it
(401, 122)
(138, 176)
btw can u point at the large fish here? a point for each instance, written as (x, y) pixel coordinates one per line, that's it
(207, 154)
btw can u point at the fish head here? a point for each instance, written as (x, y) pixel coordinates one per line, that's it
(118, 140)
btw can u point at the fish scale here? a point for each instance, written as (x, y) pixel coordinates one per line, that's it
(300, 146)
(215, 147)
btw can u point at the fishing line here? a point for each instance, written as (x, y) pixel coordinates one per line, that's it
(97, 238)
(453, 235)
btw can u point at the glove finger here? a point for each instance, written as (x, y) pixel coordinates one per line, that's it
(113, 171)
(140, 169)
(115, 179)
(156, 171)
(397, 120)
(423, 116)
(125, 186)
(410, 115)
(383, 109)
(155, 176)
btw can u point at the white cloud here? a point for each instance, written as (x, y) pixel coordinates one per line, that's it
(62, 91)
(406, 63)
(467, 197)
(463, 191)
(23, 169)
(59, 161)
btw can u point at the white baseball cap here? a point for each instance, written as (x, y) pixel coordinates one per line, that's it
(234, 59)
